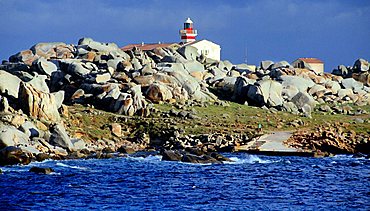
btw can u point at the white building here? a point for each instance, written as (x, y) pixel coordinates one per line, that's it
(313, 64)
(207, 48)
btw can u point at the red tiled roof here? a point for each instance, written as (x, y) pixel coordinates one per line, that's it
(311, 60)
(146, 47)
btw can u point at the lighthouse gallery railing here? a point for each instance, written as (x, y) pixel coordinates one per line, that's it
(183, 31)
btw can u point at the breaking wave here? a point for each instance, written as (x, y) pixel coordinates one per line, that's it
(252, 159)
(70, 166)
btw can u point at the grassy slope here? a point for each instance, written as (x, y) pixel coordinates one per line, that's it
(239, 118)
(93, 124)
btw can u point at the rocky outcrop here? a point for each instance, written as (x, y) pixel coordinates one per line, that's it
(302, 84)
(27, 57)
(108, 76)
(39, 83)
(266, 92)
(350, 83)
(54, 50)
(303, 98)
(361, 65)
(89, 44)
(301, 87)
(9, 84)
(126, 150)
(171, 155)
(241, 87)
(332, 138)
(40, 79)
(266, 65)
(11, 136)
(159, 92)
(359, 71)
(363, 77)
(44, 66)
(13, 155)
(60, 138)
(4, 104)
(189, 52)
(131, 103)
(38, 104)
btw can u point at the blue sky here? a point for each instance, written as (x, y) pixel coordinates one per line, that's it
(337, 31)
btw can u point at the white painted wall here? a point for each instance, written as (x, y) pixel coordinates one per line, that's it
(317, 67)
(209, 49)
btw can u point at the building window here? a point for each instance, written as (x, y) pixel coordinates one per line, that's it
(205, 52)
(300, 64)
(187, 25)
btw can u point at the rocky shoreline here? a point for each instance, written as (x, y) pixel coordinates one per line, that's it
(94, 100)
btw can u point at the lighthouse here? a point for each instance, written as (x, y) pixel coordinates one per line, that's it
(188, 34)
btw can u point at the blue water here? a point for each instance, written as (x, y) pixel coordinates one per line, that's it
(250, 183)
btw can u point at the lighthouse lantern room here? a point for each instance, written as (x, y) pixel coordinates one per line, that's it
(188, 34)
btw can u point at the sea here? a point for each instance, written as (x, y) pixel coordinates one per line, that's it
(251, 182)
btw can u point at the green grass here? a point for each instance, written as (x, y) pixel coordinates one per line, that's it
(235, 118)
(83, 120)
(241, 118)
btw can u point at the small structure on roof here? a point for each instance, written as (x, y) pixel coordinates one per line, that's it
(313, 64)
(187, 34)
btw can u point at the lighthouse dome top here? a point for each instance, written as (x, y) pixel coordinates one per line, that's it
(188, 21)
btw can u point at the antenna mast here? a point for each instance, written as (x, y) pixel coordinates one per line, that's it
(246, 54)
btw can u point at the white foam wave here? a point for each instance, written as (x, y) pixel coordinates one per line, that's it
(5, 170)
(149, 158)
(347, 157)
(55, 173)
(251, 159)
(38, 162)
(70, 166)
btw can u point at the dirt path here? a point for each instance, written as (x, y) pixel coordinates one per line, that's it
(273, 142)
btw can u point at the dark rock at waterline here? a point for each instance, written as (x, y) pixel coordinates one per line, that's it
(364, 148)
(85, 151)
(359, 155)
(77, 155)
(101, 155)
(171, 155)
(192, 156)
(189, 158)
(219, 157)
(42, 156)
(144, 154)
(13, 155)
(195, 151)
(126, 150)
(108, 150)
(107, 156)
(40, 170)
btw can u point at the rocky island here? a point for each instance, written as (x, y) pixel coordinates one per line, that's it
(95, 100)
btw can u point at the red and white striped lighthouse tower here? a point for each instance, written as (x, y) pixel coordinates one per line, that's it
(188, 34)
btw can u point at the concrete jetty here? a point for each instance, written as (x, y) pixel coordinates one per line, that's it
(272, 144)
